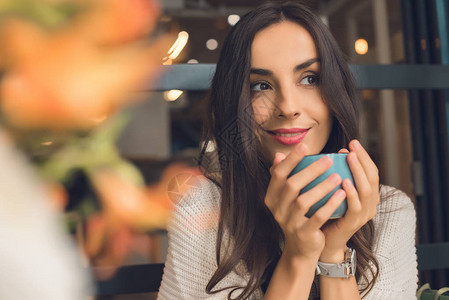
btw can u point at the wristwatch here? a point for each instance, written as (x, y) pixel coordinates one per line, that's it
(341, 270)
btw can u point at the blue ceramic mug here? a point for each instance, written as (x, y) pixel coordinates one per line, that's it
(339, 166)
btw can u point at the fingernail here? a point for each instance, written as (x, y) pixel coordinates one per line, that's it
(352, 156)
(335, 178)
(281, 156)
(326, 161)
(348, 183)
(356, 145)
(339, 193)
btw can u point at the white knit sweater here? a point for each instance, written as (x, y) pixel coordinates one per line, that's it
(192, 233)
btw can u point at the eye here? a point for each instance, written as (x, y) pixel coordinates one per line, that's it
(310, 80)
(260, 86)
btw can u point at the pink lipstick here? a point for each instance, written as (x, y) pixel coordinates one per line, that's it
(288, 136)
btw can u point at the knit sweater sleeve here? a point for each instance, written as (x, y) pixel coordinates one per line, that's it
(191, 259)
(394, 247)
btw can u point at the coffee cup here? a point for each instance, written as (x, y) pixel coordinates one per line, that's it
(339, 166)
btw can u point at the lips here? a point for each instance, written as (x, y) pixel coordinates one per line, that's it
(288, 136)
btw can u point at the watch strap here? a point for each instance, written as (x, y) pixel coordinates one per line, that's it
(343, 269)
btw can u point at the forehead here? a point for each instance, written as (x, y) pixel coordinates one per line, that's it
(284, 42)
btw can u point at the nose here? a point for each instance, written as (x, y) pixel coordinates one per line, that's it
(288, 105)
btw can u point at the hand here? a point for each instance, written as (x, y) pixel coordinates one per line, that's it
(362, 203)
(303, 237)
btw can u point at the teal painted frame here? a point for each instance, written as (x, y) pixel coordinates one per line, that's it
(198, 77)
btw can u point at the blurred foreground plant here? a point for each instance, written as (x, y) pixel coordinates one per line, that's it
(67, 69)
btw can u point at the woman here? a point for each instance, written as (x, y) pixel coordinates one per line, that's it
(282, 90)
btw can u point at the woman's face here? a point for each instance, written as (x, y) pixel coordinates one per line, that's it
(286, 99)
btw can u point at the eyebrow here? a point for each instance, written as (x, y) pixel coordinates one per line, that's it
(265, 72)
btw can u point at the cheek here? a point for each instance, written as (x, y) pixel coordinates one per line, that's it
(323, 114)
(327, 121)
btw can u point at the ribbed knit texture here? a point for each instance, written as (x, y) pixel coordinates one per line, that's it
(192, 233)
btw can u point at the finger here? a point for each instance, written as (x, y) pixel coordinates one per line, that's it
(322, 215)
(309, 198)
(299, 180)
(365, 160)
(283, 168)
(274, 188)
(343, 150)
(352, 196)
(280, 171)
(364, 187)
(305, 201)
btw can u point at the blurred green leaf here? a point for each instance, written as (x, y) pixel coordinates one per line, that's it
(45, 13)
(95, 150)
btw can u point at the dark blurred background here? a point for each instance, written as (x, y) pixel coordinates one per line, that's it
(405, 131)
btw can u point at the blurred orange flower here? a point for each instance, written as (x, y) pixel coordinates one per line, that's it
(106, 243)
(66, 69)
(127, 210)
(118, 21)
(57, 195)
(66, 83)
(140, 207)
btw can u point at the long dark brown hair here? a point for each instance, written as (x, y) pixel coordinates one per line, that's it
(243, 174)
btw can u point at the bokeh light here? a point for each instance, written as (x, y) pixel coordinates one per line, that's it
(172, 95)
(361, 46)
(212, 44)
(233, 19)
(177, 47)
